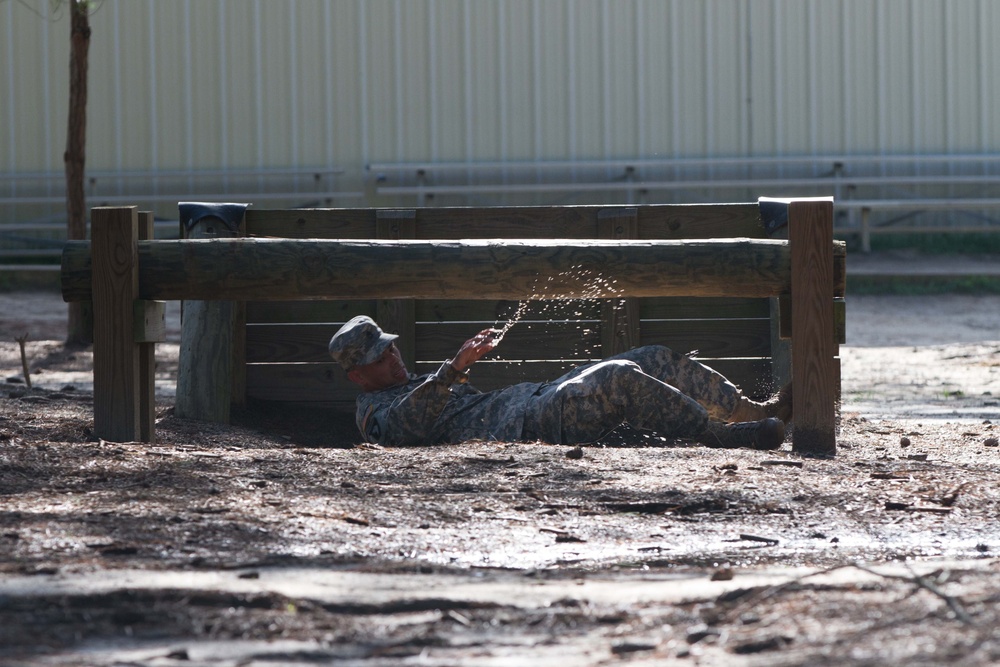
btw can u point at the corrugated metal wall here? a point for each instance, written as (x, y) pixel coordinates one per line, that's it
(237, 84)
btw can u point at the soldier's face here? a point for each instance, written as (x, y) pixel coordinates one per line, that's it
(386, 371)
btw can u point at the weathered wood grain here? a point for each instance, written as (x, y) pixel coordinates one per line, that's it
(115, 287)
(206, 365)
(277, 269)
(149, 327)
(814, 376)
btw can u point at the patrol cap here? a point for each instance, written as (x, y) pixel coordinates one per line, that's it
(359, 342)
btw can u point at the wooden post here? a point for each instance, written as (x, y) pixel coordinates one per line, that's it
(814, 377)
(145, 317)
(619, 317)
(781, 345)
(205, 366)
(115, 287)
(398, 316)
(866, 230)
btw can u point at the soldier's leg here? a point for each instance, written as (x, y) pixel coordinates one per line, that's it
(723, 400)
(709, 388)
(589, 402)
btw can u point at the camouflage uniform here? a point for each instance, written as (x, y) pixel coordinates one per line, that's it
(650, 388)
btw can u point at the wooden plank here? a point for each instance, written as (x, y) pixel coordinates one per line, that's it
(525, 341)
(435, 342)
(529, 222)
(620, 328)
(700, 221)
(273, 312)
(665, 308)
(498, 312)
(118, 398)
(810, 228)
(320, 223)
(319, 383)
(656, 221)
(433, 310)
(711, 338)
(279, 269)
(396, 316)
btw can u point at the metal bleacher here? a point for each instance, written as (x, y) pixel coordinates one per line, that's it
(873, 194)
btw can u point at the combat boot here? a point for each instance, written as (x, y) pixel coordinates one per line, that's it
(764, 434)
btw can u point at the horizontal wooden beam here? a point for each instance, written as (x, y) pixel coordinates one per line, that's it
(281, 269)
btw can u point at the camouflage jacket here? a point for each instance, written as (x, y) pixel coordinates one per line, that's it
(441, 408)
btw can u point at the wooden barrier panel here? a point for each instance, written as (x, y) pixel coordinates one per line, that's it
(599, 280)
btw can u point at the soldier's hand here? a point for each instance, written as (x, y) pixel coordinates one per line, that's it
(475, 348)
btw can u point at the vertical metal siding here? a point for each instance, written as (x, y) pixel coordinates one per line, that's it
(342, 83)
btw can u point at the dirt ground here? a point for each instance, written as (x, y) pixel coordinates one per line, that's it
(280, 541)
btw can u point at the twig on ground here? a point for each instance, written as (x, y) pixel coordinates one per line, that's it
(954, 603)
(21, 340)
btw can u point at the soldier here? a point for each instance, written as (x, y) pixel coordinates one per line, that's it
(650, 388)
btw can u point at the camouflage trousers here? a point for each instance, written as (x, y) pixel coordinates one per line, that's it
(650, 388)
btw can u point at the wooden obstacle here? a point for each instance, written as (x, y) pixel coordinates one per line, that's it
(719, 279)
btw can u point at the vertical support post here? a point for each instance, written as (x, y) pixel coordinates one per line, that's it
(814, 374)
(147, 359)
(205, 366)
(781, 346)
(619, 317)
(780, 307)
(115, 285)
(398, 316)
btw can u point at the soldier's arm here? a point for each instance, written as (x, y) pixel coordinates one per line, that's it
(410, 418)
(474, 349)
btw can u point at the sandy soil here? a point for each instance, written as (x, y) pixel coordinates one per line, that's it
(246, 545)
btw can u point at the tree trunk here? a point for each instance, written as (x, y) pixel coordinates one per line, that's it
(81, 319)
